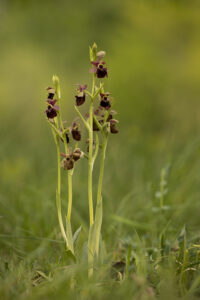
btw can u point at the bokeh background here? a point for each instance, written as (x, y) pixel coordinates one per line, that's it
(153, 55)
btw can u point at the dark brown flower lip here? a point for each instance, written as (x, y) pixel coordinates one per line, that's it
(113, 128)
(51, 112)
(80, 96)
(80, 99)
(105, 104)
(76, 134)
(101, 72)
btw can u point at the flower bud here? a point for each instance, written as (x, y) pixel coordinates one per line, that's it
(57, 85)
(101, 54)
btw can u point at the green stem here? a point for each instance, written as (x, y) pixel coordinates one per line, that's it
(93, 85)
(96, 149)
(82, 118)
(69, 209)
(99, 213)
(58, 199)
(102, 160)
(55, 129)
(97, 122)
(90, 164)
(90, 158)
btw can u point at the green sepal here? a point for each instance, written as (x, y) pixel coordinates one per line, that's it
(56, 83)
(91, 54)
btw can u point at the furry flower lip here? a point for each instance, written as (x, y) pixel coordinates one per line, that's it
(80, 97)
(113, 128)
(105, 101)
(51, 112)
(99, 69)
(76, 134)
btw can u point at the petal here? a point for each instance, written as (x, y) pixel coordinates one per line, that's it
(95, 63)
(62, 154)
(93, 70)
(56, 107)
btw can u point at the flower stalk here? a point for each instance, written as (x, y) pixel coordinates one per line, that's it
(90, 159)
(58, 194)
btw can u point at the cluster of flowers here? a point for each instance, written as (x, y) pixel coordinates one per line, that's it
(52, 112)
(105, 101)
(103, 114)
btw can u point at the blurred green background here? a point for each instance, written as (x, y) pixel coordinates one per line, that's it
(153, 55)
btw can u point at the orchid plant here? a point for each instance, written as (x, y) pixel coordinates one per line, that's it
(99, 123)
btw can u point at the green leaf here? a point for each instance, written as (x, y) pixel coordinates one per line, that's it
(42, 274)
(82, 118)
(98, 90)
(76, 234)
(69, 236)
(128, 260)
(129, 222)
(56, 83)
(182, 244)
(94, 51)
(71, 255)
